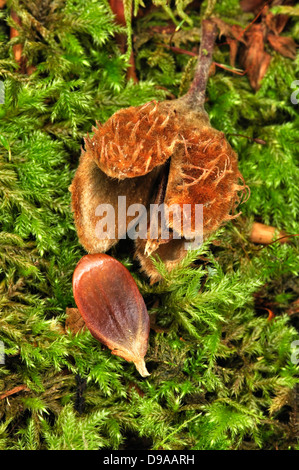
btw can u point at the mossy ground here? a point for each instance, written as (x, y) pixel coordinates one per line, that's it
(222, 374)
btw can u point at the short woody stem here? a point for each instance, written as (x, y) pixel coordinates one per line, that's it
(197, 90)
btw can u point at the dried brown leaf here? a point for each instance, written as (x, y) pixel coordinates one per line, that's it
(74, 322)
(275, 23)
(255, 59)
(251, 5)
(286, 46)
(233, 49)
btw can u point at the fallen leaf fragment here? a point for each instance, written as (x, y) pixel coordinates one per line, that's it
(14, 390)
(294, 308)
(271, 315)
(233, 49)
(255, 59)
(286, 46)
(251, 5)
(74, 321)
(275, 23)
(112, 307)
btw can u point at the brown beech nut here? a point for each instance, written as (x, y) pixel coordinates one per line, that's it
(112, 307)
(265, 234)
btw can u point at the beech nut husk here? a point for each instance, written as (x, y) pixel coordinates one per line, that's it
(160, 153)
(112, 307)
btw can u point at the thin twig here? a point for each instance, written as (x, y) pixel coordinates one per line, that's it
(252, 22)
(277, 240)
(178, 50)
(197, 91)
(253, 139)
(230, 69)
(14, 390)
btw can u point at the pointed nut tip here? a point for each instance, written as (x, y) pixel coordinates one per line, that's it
(141, 367)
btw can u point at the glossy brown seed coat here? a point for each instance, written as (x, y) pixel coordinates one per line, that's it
(112, 307)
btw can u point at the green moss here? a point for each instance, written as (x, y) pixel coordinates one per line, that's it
(221, 372)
